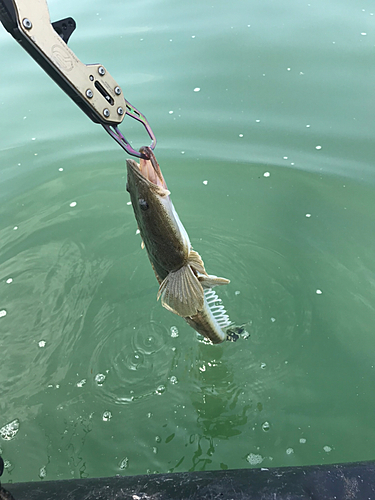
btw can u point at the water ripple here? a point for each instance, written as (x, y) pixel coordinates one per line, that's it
(137, 360)
(46, 330)
(268, 294)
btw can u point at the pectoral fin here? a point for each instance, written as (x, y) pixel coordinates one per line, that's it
(196, 262)
(181, 292)
(210, 281)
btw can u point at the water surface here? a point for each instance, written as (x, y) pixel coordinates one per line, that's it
(264, 118)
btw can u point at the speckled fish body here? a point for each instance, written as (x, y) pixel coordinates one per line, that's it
(185, 287)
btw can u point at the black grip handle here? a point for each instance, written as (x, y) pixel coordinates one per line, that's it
(8, 15)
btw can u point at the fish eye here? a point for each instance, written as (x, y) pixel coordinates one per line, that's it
(143, 204)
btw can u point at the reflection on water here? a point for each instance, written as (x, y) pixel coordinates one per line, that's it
(221, 410)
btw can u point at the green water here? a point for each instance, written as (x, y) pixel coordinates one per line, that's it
(270, 165)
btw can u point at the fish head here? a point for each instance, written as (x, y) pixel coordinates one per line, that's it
(156, 216)
(145, 183)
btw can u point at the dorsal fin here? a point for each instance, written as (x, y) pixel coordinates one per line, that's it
(217, 309)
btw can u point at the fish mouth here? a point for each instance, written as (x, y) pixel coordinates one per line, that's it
(148, 168)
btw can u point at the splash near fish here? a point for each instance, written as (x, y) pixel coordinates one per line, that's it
(185, 288)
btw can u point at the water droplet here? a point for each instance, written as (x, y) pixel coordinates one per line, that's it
(318, 292)
(308, 215)
(3, 313)
(173, 380)
(289, 451)
(273, 320)
(254, 458)
(124, 463)
(327, 449)
(42, 343)
(107, 415)
(81, 383)
(318, 147)
(302, 440)
(9, 280)
(171, 112)
(160, 389)
(154, 450)
(363, 34)
(61, 169)
(258, 121)
(158, 439)
(263, 365)
(9, 431)
(285, 157)
(205, 183)
(73, 204)
(197, 89)
(15, 228)
(237, 292)
(42, 472)
(99, 378)
(266, 426)
(174, 331)
(266, 174)
(240, 135)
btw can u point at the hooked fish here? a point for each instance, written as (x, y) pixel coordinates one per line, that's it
(185, 287)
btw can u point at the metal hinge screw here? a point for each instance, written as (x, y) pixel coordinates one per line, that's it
(101, 71)
(106, 112)
(89, 93)
(27, 23)
(117, 90)
(120, 111)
